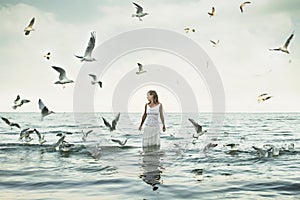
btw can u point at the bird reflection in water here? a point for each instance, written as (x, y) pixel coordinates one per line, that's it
(151, 166)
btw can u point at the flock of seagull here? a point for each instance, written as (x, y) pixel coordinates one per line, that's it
(62, 144)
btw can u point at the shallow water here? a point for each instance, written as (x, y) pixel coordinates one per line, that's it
(179, 169)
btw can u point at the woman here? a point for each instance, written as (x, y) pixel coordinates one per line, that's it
(153, 110)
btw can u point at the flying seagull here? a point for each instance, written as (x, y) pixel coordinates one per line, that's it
(263, 97)
(189, 29)
(112, 127)
(29, 27)
(120, 142)
(209, 146)
(215, 43)
(285, 46)
(141, 69)
(47, 56)
(197, 127)
(9, 123)
(44, 110)
(18, 102)
(89, 49)
(243, 4)
(139, 12)
(95, 80)
(62, 76)
(212, 13)
(84, 136)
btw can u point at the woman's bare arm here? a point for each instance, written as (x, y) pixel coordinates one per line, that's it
(162, 117)
(143, 118)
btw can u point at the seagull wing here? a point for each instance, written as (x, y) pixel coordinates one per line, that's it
(139, 9)
(196, 125)
(140, 67)
(31, 22)
(117, 141)
(61, 71)
(93, 76)
(25, 101)
(17, 99)
(59, 141)
(38, 134)
(115, 121)
(288, 41)
(41, 104)
(264, 94)
(5, 120)
(213, 42)
(15, 124)
(107, 124)
(91, 45)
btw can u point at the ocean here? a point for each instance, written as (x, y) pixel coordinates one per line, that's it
(99, 168)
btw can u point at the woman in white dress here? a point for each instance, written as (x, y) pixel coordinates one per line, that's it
(153, 110)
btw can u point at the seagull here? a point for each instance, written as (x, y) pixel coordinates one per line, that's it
(263, 97)
(95, 80)
(213, 11)
(285, 46)
(62, 76)
(89, 49)
(41, 138)
(120, 142)
(214, 43)
(29, 27)
(112, 127)
(243, 4)
(208, 146)
(9, 123)
(262, 152)
(189, 29)
(84, 136)
(47, 56)
(25, 133)
(44, 110)
(18, 102)
(141, 69)
(139, 12)
(59, 142)
(197, 127)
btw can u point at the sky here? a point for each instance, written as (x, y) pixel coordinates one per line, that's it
(246, 66)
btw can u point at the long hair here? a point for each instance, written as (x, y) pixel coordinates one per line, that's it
(155, 96)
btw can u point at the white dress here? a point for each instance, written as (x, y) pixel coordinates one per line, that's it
(151, 136)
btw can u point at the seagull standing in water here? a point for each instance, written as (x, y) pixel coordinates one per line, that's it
(18, 102)
(141, 69)
(29, 28)
(113, 125)
(89, 49)
(139, 12)
(285, 46)
(44, 110)
(62, 76)
(9, 123)
(95, 80)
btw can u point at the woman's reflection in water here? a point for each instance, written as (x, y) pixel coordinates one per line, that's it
(151, 166)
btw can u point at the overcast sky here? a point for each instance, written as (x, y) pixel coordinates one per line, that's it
(243, 60)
